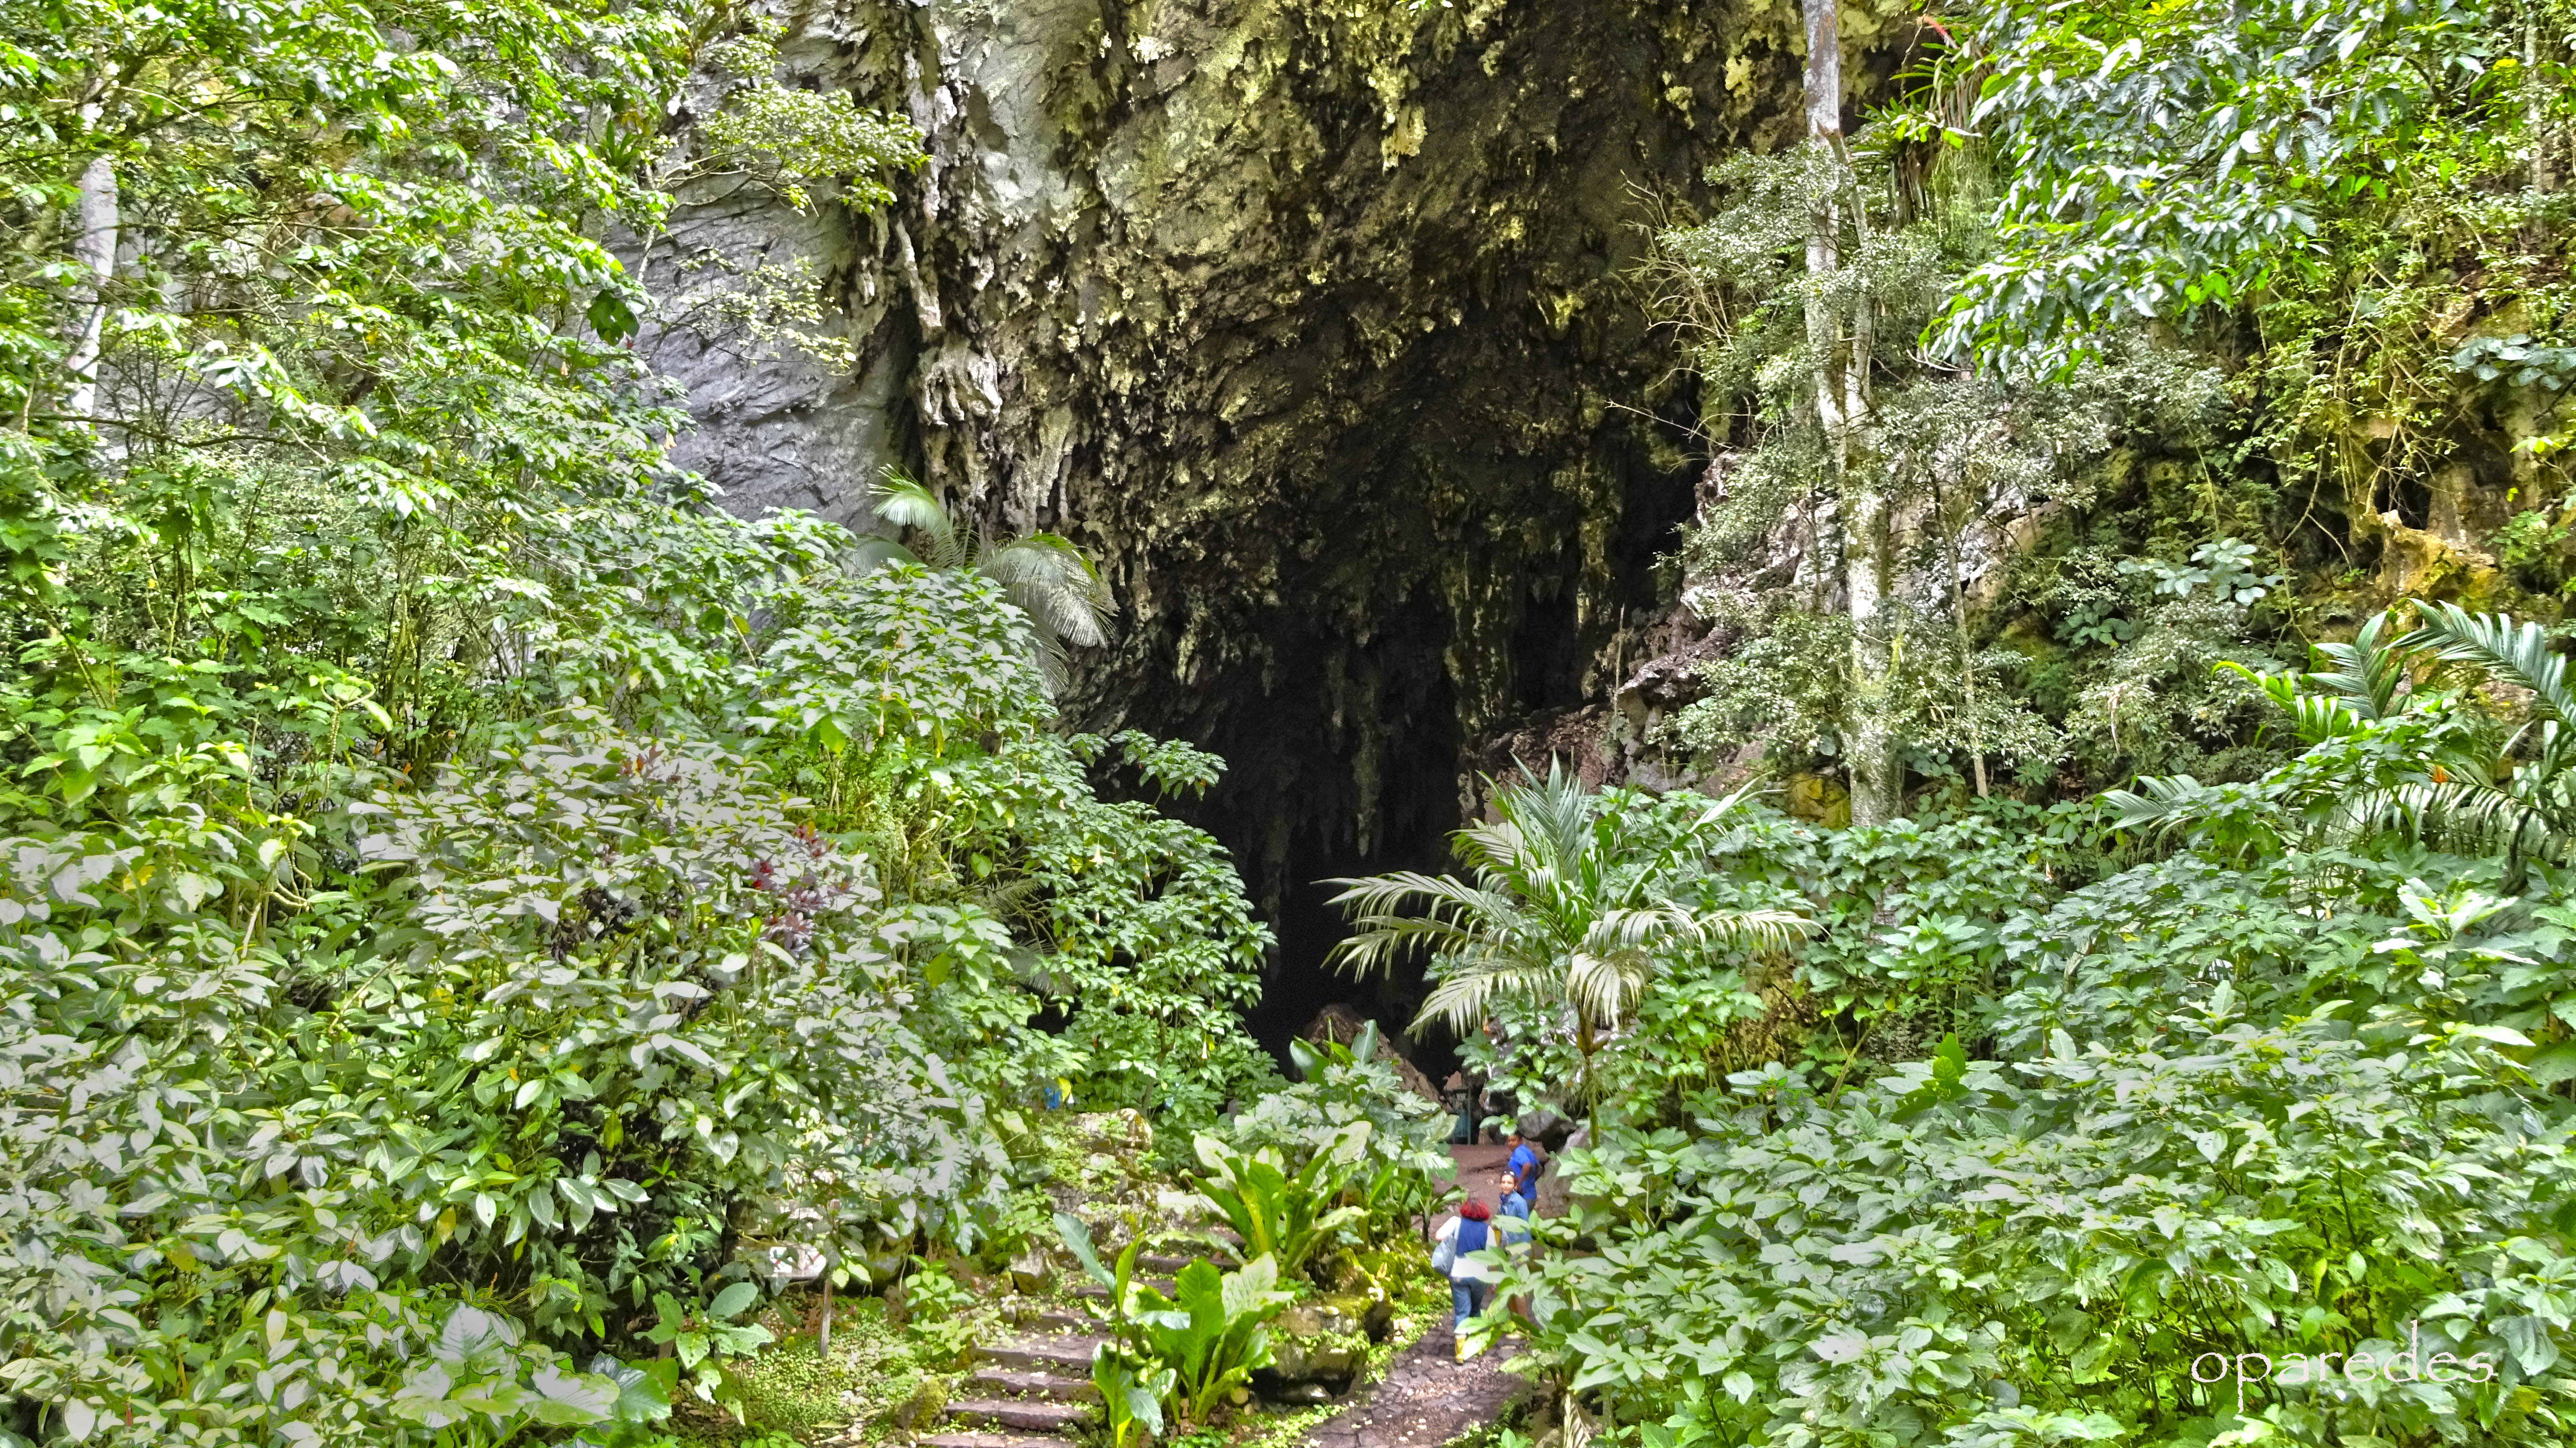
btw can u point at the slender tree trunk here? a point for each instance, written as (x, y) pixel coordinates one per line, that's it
(2535, 97)
(1951, 529)
(1967, 666)
(1842, 345)
(1583, 1042)
(94, 249)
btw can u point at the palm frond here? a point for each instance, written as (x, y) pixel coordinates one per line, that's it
(1627, 929)
(900, 502)
(1053, 584)
(1724, 805)
(1495, 845)
(1463, 999)
(1599, 987)
(2367, 672)
(2518, 653)
(1756, 929)
(1450, 916)
(1384, 939)
(1388, 893)
(1554, 814)
(871, 554)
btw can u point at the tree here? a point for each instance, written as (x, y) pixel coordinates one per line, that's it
(1840, 316)
(2162, 160)
(1043, 574)
(1566, 909)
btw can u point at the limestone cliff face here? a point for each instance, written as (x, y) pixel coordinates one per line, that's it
(1308, 319)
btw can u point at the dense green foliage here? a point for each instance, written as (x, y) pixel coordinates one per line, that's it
(2294, 1093)
(477, 920)
(473, 912)
(2193, 1065)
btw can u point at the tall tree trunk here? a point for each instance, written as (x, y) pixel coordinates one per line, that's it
(94, 249)
(1952, 528)
(2535, 91)
(1842, 345)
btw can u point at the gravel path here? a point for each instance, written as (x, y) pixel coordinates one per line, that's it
(1426, 1398)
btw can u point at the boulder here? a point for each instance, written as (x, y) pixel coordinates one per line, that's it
(1123, 1136)
(1315, 1345)
(921, 1406)
(1546, 1127)
(1032, 1269)
(1341, 1025)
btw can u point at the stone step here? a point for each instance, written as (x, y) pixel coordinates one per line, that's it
(1094, 1292)
(1022, 1414)
(1056, 1319)
(988, 1440)
(1162, 1262)
(1010, 1383)
(1042, 1354)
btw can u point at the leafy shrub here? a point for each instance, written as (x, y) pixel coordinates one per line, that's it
(1211, 1332)
(1285, 1216)
(1193, 1349)
(2077, 1228)
(1400, 1156)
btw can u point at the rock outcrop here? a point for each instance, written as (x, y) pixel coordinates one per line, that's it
(1314, 323)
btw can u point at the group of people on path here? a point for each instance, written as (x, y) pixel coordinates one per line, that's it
(1477, 1228)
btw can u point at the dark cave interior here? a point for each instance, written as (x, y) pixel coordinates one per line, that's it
(1286, 762)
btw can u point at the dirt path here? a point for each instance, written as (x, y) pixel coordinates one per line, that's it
(1426, 1399)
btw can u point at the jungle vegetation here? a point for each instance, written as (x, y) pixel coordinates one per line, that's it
(2140, 492)
(477, 918)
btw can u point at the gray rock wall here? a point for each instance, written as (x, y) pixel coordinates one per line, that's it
(1310, 320)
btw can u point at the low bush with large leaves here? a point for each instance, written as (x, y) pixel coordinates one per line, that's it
(588, 1019)
(2274, 1077)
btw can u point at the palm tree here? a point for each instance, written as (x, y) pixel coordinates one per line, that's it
(1043, 574)
(1567, 908)
(2388, 754)
(2519, 792)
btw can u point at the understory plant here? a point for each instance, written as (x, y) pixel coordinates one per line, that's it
(1176, 1358)
(1281, 1215)
(1568, 918)
(2252, 1126)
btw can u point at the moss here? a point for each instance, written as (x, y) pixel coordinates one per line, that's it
(794, 1388)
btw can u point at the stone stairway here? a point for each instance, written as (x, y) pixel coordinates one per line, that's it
(1035, 1391)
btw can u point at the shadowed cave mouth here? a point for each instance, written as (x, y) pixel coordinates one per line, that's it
(1284, 807)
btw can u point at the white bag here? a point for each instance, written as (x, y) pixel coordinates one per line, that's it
(1444, 1253)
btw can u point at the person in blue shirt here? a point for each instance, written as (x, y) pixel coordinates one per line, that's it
(1511, 1228)
(1524, 1166)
